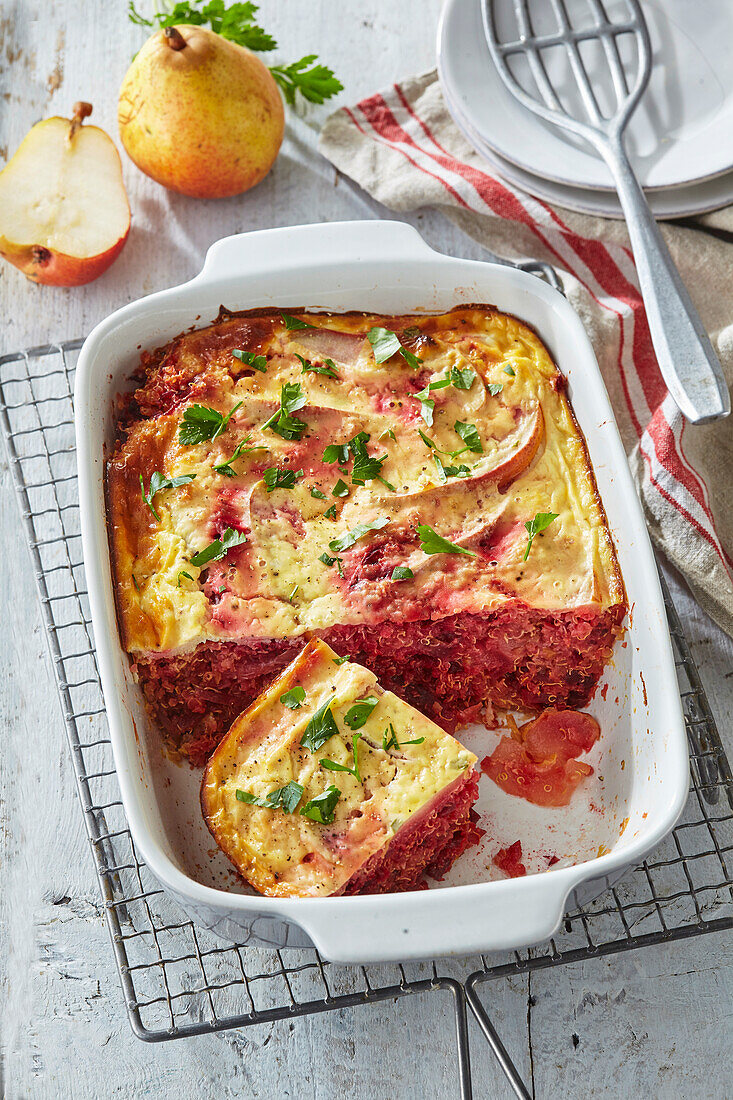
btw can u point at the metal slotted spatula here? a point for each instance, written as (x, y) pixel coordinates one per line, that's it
(558, 54)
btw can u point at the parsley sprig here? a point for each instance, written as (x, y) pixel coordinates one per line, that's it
(321, 726)
(328, 368)
(433, 543)
(277, 478)
(259, 362)
(242, 448)
(287, 797)
(282, 421)
(201, 423)
(346, 541)
(219, 548)
(357, 715)
(316, 83)
(389, 740)
(322, 808)
(534, 526)
(385, 344)
(159, 482)
(333, 766)
(294, 698)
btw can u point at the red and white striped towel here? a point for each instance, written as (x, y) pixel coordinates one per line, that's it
(402, 147)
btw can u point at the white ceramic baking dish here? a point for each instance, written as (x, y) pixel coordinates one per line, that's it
(640, 761)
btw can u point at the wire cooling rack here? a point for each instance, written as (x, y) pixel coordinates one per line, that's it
(177, 979)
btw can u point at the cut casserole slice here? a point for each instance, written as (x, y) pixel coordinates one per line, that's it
(329, 785)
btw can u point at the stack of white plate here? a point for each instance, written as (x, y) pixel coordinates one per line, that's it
(680, 139)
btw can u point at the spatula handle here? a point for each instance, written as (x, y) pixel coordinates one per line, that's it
(685, 355)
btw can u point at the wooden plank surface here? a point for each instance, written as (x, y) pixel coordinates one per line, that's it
(655, 1023)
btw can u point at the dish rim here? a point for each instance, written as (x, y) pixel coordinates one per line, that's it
(524, 909)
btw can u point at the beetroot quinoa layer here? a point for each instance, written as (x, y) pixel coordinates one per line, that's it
(454, 669)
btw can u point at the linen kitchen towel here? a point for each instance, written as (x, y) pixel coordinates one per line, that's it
(402, 147)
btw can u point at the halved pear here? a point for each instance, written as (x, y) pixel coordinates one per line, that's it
(64, 214)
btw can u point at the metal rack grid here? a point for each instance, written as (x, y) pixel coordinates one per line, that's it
(177, 979)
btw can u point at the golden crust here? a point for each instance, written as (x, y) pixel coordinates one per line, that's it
(288, 854)
(533, 459)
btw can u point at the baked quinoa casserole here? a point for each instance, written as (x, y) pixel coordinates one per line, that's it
(328, 785)
(413, 490)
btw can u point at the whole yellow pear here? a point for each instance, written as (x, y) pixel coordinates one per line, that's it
(200, 114)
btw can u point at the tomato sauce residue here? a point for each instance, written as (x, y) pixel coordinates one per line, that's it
(643, 686)
(539, 762)
(604, 692)
(509, 860)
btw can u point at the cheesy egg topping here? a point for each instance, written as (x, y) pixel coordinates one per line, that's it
(300, 803)
(297, 473)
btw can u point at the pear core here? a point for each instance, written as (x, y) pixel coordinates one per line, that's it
(199, 114)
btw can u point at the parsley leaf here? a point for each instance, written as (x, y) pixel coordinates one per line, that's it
(318, 494)
(330, 513)
(294, 698)
(427, 406)
(534, 526)
(219, 548)
(322, 807)
(433, 543)
(293, 324)
(159, 482)
(457, 471)
(292, 595)
(282, 421)
(402, 573)
(462, 379)
(201, 423)
(469, 435)
(357, 715)
(328, 368)
(393, 743)
(385, 344)
(226, 468)
(345, 542)
(341, 660)
(332, 766)
(510, 371)
(328, 560)
(494, 388)
(336, 452)
(321, 726)
(183, 573)
(316, 83)
(426, 439)
(286, 797)
(388, 434)
(276, 478)
(366, 467)
(259, 362)
(340, 489)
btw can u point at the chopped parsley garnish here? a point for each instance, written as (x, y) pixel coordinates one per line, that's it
(330, 513)
(259, 362)
(282, 421)
(219, 548)
(320, 728)
(318, 495)
(385, 344)
(357, 715)
(340, 489)
(322, 807)
(402, 573)
(276, 478)
(494, 388)
(292, 324)
(366, 467)
(426, 439)
(294, 593)
(137, 586)
(535, 526)
(345, 542)
(427, 405)
(433, 543)
(510, 371)
(183, 573)
(469, 435)
(294, 698)
(336, 452)
(388, 434)
(226, 468)
(328, 368)
(389, 740)
(341, 660)
(201, 423)
(328, 560)
(158, 482)
(444, 472)
(462, 379)
(332, 766)
(287, 797)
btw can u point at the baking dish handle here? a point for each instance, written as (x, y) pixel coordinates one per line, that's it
(497, 916)
(297, 246)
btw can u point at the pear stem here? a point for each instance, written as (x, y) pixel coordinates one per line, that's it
(81, 110)
(174, 38)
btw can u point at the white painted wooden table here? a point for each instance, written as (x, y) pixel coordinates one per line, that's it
(653, 1023)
